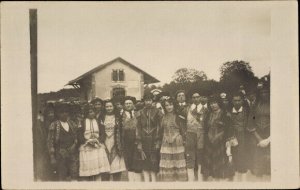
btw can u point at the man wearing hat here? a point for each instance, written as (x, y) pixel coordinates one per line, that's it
(129, 125)
(196, 114)
(62, 144)
(148, 139)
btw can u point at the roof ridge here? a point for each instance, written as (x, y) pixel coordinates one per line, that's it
(101, 66)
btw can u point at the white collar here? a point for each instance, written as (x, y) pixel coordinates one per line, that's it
(65, 125)
(240, 110)
(182, 104)
(200, 106)
(205, 105)
(128, 113)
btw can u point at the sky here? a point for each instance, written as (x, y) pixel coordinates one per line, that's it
(158, 37)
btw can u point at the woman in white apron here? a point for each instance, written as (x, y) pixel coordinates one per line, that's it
(92, 155)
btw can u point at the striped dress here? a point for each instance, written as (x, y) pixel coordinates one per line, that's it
(172, 161)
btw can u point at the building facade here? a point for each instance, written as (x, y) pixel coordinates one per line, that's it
(115, 78)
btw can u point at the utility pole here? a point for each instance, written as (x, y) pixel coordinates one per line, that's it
(33, 68)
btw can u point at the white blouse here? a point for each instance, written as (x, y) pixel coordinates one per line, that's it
(91, 129)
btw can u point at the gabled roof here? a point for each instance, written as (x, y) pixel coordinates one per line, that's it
(148, 79)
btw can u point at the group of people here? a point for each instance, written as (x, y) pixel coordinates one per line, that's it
(160, 138)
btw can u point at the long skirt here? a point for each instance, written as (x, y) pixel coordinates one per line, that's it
(215, 162)
(172, 162)
(116, 161)
(93, 161)
(151, 163)
(240, 153)
(117, 165)
(261, 161)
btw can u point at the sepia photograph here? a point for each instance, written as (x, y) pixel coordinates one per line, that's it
(139, 92)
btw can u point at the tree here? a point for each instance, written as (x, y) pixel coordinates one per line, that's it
(185, 75)
(234, 74)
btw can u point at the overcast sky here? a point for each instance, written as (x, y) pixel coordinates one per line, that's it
(158, 37)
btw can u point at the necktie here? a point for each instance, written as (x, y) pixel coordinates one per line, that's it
(131, 114)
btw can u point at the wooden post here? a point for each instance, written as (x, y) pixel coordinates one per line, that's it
(33, 68)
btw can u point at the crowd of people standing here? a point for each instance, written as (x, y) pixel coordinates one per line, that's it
(164, 137)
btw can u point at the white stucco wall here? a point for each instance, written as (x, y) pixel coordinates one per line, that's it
(133, 83)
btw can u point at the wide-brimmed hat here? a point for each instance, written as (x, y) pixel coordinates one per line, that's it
(133, 99)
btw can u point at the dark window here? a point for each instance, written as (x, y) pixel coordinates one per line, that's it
(115, 75)
(118, 75)
(118, 92)
(121, 75)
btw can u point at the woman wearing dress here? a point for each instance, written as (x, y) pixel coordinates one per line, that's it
(217, 143)
(148, 139)
(110, 124)
(172, 159)
(259, 127)
(92, 156)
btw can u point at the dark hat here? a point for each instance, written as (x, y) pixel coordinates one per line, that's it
(96, 99)
(133, 99)
(179, 91)
(139, 105)
(193, 91)
(75, 108)
(62, 107)
(148, 96)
